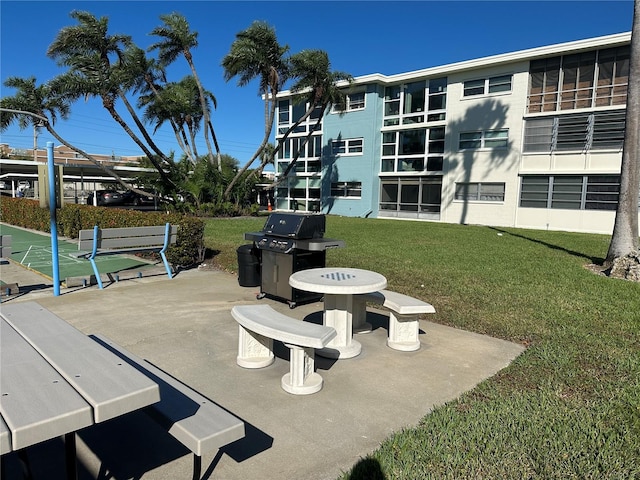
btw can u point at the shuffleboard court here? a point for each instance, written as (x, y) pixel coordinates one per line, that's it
(33, 250)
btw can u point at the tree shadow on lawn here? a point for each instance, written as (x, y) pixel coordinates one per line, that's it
(593, 260)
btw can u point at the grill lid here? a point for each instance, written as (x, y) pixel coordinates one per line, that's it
(295, 225)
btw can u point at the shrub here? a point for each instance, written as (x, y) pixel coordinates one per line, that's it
(25, 213)
(71, 218)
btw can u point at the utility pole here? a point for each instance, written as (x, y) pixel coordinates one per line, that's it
(36, 132)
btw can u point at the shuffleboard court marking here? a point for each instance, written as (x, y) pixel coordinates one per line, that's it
(26, 254)
(33, 251)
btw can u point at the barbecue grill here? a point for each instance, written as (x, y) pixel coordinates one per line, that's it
(290, 242)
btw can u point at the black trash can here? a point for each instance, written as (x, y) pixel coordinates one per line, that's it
(248, 266)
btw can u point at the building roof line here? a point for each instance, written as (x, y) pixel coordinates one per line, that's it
(536, 52)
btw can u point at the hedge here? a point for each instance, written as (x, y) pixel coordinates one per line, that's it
(71, 218)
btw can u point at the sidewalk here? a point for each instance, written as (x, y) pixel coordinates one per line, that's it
(184, 326)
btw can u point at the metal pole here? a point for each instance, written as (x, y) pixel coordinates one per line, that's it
(54, 227)
(35, 143)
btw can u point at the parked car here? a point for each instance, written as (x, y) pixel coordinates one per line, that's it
(23, 186)
(106, 198)
(135, 198)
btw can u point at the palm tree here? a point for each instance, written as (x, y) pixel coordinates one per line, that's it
(179, 104)
(256, 53)
(150, 83)
(624, 240)
(136, 69)
(318, 87)
(87, 50)
(267, 157)
(178, 39)
(35, 105)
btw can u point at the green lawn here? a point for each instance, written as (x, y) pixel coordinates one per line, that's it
(569, 407)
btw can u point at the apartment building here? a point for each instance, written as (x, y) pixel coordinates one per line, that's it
(529, 139)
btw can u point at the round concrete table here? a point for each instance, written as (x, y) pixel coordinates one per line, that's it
(339, 285)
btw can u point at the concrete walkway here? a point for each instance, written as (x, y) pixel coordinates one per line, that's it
(184, 326)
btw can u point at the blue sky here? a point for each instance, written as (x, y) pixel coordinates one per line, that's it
(361, 37)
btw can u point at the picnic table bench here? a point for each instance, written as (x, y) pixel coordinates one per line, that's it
(260, 325)
(109, 241)
(403, 317)
(191, 418)
(56, 381)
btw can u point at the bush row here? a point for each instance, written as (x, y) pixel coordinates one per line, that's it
(71, 218)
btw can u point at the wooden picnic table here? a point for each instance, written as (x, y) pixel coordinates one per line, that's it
(55, 380)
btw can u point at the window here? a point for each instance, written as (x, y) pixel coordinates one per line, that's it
(577, 80)
(314, 146)
(299, 194)
(470, 140)
(283, 112)
(608, 130)
(413, 150)
(486, 86)
(412, 141)
(473, 87)
(316, 114)
(437, 102)
(352, 146)
(308, 151)
(299, 109)
(543, 84)
(414, 97)
(572, 130)
(538, 134)
(534, 191)
(388, 143)
(392, 100)
(412, 194)
(566, 192)
(602, 192)
(485, 139)
(589, 131)
(346, 189)
(407, 104)
(500, 84)
(613, 76)
(288, 113)
(584, 80)
(488, 192)
(570, 192)
(353, 101)
(410, 164)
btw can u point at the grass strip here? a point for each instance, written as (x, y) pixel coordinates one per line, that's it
(568, 407)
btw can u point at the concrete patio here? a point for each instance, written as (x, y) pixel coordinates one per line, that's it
(184, 326)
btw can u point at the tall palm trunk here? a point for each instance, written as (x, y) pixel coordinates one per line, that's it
(624, 240)
(215, 143)
(269, 117)
(188, 148)
(141, 127)
(293, 127)
(183, 141)
(297, 154)
(203, 104)
(108, 104)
